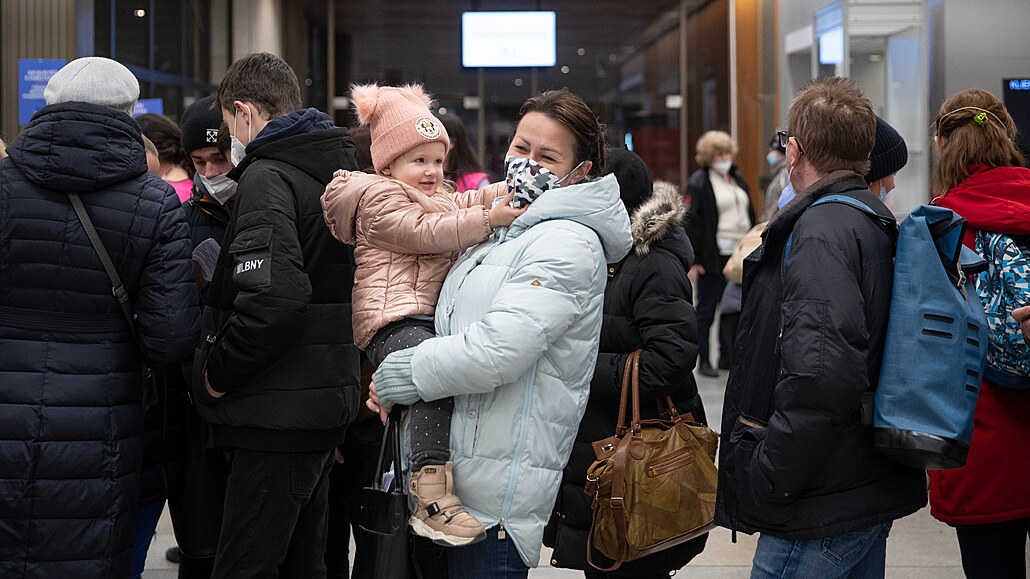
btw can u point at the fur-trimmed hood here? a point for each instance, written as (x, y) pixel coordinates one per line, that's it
(660, 219)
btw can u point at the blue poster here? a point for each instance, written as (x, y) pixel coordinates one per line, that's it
(143, 106)
(33, 74)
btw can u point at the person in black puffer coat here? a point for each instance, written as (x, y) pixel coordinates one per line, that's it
(71, 411)
(277, 375)
(647, 304)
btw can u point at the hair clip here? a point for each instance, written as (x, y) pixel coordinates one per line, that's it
(980, 118)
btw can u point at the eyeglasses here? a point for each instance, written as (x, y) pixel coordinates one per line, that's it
(784, 138)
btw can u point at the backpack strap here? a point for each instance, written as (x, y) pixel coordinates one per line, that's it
(850, 202)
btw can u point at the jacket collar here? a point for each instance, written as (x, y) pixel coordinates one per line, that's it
(835, 183)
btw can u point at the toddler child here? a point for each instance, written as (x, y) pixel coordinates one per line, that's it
(407, 229)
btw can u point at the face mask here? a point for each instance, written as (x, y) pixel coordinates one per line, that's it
(529, 179)
(722, 166)
(785, 197)
(883, 194)
(221, 188)
(238, 150)
(772, 158)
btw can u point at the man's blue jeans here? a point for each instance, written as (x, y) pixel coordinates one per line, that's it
(855, 555)
(491, 557)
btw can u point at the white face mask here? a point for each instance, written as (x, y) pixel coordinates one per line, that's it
(722, 166)
(221, 188)
(238, 150)
(772, 158)
(883, 194)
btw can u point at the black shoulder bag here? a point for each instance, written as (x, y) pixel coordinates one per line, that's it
(150, 396)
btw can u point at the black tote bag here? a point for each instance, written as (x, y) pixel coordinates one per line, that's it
(384, 515)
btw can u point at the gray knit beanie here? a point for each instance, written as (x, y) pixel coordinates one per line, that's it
(94, 80)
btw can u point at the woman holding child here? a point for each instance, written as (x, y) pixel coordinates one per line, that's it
(517, 322)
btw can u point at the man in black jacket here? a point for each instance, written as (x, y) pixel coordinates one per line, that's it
(277, 377)
(797, 460)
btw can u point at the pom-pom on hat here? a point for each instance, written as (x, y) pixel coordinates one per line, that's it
(399, 120)
(95, 80)
(200, 124)
(889, 153)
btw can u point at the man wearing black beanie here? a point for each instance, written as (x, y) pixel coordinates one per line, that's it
(889, 155)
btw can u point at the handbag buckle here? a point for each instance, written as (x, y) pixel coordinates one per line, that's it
(616, 502)
(608, 447)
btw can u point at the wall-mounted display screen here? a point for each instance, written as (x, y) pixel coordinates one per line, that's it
(497, 39)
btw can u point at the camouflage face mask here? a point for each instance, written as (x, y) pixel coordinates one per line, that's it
(529, 179)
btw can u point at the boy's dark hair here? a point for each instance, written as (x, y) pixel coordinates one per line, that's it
(263, 79)
(224, 141)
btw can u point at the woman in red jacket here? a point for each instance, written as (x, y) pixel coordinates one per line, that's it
(980, 176)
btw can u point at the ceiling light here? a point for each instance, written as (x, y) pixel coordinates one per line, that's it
(139, 12)
(565, 70)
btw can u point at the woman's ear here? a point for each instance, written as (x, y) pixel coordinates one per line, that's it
(937, 143)
(582, 172)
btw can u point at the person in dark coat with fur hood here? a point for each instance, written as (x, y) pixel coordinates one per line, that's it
(648, 305)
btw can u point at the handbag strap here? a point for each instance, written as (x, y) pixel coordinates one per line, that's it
(618, 505)
(117, 288)
(392, 444)
(627, 380)
(630, 387)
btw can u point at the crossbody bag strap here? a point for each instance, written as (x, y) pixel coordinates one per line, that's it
(150, 394)
(117, 288)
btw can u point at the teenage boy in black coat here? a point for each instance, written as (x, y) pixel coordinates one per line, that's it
(277, 377)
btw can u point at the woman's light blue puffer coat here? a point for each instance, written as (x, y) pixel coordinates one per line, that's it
(519, 318)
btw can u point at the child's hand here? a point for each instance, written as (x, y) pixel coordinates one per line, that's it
(502, 214)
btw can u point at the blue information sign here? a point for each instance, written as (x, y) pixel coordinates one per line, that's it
(156, 106)
(33, 74)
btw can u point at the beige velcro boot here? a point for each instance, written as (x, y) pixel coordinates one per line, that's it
(439, 514)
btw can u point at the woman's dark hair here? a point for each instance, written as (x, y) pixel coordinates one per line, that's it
(572, 111)
(460, 159)
(167, 137)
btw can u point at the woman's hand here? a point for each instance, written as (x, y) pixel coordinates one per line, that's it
(502, 214)
(373, 402)
(696, 271)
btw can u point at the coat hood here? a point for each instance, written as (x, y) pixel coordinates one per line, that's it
(595, 204)
(81, 147)
(994, 199)
(657, 216)
(303, 140)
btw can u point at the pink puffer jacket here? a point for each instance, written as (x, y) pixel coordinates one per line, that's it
(404, 242)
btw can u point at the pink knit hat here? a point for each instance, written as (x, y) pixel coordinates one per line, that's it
(399, 119)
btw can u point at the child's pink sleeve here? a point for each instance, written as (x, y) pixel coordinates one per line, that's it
(484, 196)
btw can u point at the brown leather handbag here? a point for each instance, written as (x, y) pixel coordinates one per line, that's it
(653, 483)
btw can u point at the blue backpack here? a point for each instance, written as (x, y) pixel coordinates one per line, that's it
(1003, 287)
(936, 342)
